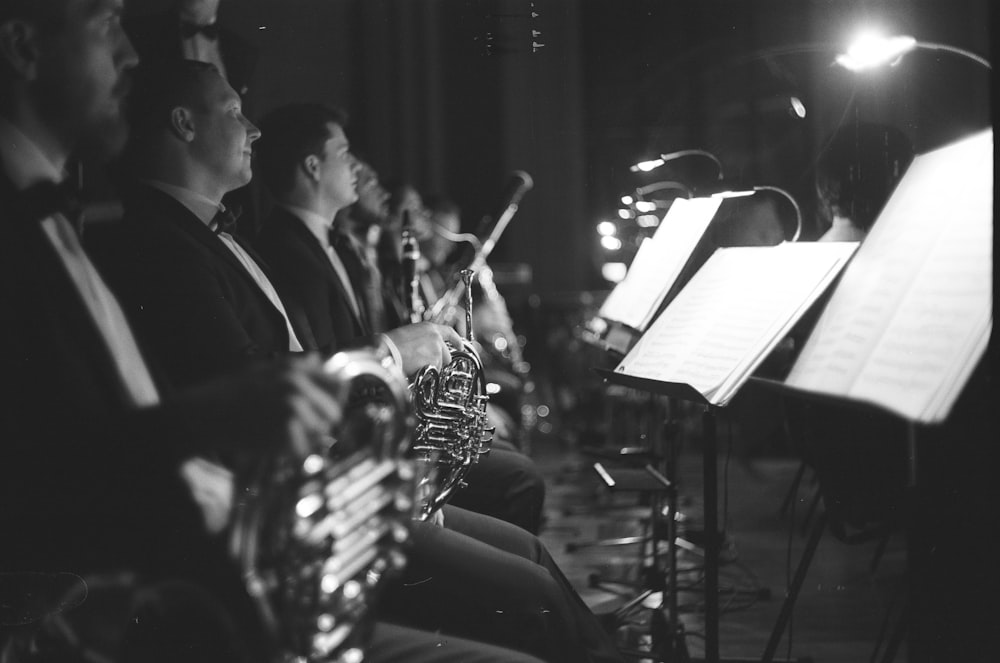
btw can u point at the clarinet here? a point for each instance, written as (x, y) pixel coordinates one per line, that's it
(411, 273)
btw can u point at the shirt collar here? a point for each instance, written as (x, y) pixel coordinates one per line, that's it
(22, 160)
(201, 206)
(316, 223)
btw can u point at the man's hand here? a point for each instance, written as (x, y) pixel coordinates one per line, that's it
(287, 404)
(423, 343)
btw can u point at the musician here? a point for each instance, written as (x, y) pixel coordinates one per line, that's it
(364, 222)
(93, 445)
(318, 266)
(492, 319)
(496, 582)
(190, 30)
(222, 310)
(857, 171)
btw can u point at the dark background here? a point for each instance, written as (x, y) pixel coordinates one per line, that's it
(452, 95)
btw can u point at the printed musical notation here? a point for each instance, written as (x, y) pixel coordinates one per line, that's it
(913, 313)
(732, 313)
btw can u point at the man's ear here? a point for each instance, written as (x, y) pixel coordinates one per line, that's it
(19, 47)
(310, 166)
(182, 124)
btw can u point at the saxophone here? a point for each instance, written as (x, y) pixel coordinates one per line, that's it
(452, 429)
(315, 537)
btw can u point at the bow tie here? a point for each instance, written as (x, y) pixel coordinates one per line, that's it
(225, 219)
(210, 31)
(44, 199)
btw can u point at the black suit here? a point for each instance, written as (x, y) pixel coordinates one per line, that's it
(511, 564)
(505, 484)
(88, 483)
(193, 302)
(304, 275)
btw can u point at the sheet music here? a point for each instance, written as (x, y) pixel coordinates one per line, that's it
(910, 316)
(659, 261)
(730, 315)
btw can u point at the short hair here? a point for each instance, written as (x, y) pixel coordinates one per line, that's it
(158, 87)
(858, 170)
(288, 135)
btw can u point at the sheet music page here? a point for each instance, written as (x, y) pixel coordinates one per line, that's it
(659, 261)
(911, 307)
(728, 314)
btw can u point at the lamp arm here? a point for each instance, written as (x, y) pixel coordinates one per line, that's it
(647, 189)
(694, 153)
(933, 46)
(791, 199)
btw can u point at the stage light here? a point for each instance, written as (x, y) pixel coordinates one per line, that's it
(872, 50)
(648, 220)
(606, 228)
(645, 206)
(611, 243)
(614, 271)
(798, 107)
(626, 214)
(740, 193)
(646, 166)
(627, 200)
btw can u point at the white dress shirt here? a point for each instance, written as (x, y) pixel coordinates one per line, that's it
(26, 165)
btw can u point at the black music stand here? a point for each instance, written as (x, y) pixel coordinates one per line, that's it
(674, 644)
(822, 521)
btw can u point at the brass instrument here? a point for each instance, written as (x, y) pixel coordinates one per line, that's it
(315, 537)
(450, 404)
(452, 427)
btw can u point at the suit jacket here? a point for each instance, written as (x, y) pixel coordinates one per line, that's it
(196, 307)
(157, 36)
(86, 481)
(305, 276)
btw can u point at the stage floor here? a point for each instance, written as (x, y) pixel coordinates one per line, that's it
(843, 603)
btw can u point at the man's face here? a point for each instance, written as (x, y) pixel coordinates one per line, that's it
(83, 74)
(223, 136)
(337, 169)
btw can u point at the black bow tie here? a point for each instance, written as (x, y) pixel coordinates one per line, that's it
(210, 31)
(224, 220)
(42, 200)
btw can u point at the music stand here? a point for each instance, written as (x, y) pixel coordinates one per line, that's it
(675, 641)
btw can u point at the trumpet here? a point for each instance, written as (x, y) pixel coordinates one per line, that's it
(316, 537)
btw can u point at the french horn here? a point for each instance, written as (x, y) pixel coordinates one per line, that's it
(452, 430)
(315, 537)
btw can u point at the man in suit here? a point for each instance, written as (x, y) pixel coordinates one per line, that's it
(93, 447)
(477, 577)
(202, 296)
(190, 30)
(305, 161)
